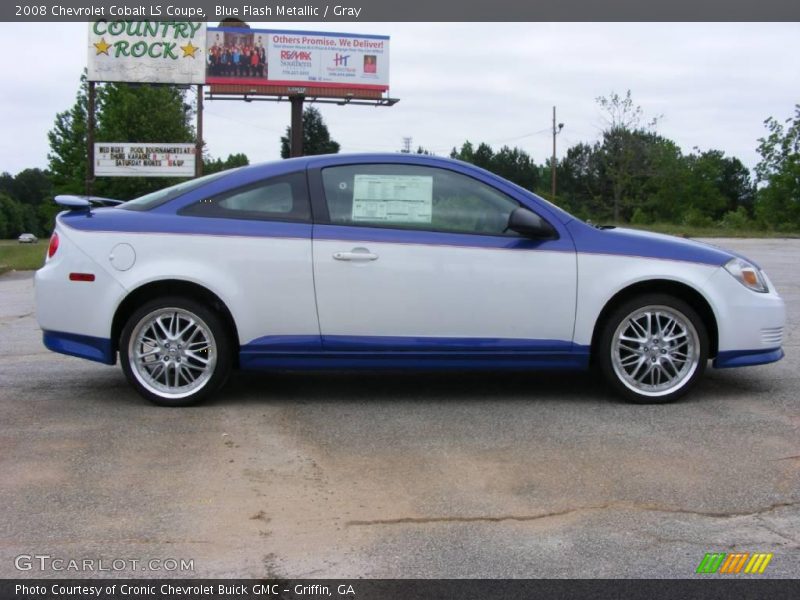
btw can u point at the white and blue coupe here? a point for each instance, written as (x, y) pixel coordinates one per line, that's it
(390, 262)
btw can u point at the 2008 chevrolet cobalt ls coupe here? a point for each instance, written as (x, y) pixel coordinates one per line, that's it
(388, 261)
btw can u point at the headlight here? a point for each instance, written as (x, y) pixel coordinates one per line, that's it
(747, 274)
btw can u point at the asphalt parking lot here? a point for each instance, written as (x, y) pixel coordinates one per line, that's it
(386, 475)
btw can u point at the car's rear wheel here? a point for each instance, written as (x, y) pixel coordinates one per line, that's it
(653, 349)
(175, 351)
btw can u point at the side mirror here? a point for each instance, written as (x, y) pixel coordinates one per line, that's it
(529, 224)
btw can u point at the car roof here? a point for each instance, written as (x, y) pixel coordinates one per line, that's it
(319, 160)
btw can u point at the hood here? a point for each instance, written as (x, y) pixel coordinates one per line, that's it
(632, 242)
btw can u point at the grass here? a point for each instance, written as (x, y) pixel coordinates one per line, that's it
(21, 257)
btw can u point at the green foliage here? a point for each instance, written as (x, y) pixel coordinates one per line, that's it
(234, 160)
(26, 203)
(778, 202)
(512, 163)
(11, 217)
(624, 155)
(640, 217)
(736, 219)
(30, 186)
(316, 138)
(67, 139)
(694, 217)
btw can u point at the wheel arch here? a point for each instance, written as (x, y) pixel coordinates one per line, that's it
(664, 286)
(173, 287)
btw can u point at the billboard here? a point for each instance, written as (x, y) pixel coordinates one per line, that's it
(124, 159)
(147, 51)
(297, 59)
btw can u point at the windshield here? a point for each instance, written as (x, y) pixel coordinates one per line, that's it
(159, 197)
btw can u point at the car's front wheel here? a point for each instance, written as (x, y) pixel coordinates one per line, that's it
(653, 349)
(175, 351)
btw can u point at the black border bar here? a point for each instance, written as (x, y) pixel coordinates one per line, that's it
(214, 11)
(752, 588)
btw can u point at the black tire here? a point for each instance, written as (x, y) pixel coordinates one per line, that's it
(176, 370)
(658, 368)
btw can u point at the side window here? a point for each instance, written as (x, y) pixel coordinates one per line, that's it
(283, 198)
(412, 197)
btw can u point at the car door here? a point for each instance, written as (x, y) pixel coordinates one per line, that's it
(417, 258)
(253, 240)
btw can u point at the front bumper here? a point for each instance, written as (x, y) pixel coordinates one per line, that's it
(746, 358)
(751, 324)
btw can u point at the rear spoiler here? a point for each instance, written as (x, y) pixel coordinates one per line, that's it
(77, 203)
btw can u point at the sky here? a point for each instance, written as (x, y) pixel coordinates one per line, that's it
(713, 84)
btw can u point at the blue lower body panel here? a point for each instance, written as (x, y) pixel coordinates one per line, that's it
(747, 358)
(82, 346)
(375, 352)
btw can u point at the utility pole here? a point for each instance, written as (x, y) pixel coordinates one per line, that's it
(406, 145)
(198, 145)
(553, 161)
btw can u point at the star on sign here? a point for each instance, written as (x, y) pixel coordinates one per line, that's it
(189, 50)
(102, 46)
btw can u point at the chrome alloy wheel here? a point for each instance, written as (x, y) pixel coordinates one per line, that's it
(655, 350)
(172, 352)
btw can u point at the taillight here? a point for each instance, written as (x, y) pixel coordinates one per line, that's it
(51, 250)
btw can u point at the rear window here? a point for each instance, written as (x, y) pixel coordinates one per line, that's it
(159, 197)
(281, 198)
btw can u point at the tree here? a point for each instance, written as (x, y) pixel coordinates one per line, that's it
(622, 143)
(67, 139)
(516, 165)
(316, 138)
(29, 186)
(234, 160)
(581, 182)
(124, 113)
(778, 202)
(718, 184)
(512, 163)
(12, 217)
(466, 153)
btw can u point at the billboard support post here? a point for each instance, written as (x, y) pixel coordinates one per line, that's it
(198, 159)
(296, 141)
(90, 140)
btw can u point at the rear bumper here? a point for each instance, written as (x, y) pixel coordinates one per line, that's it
(82, 346)
(747, 358)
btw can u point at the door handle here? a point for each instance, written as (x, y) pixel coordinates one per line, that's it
(356, 254)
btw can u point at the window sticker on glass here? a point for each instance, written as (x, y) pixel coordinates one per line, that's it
(392, 198)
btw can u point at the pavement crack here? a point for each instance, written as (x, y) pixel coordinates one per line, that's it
(796, 457)
(568, 511)
(13, 319)
(711, 514)
(475, 519)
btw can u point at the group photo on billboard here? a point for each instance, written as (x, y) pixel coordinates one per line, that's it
(265, 57)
